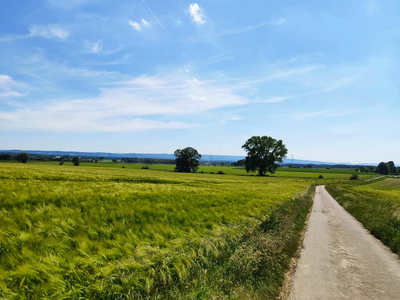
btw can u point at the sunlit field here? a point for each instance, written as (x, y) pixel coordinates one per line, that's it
(312, 173)
(102, 232)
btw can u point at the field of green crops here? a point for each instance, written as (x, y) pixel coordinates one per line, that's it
(312, 173)
(104, 232)
(376, 205)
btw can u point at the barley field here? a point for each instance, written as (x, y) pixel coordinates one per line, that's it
(98, 232)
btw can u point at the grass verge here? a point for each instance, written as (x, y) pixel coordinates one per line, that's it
(375, 206)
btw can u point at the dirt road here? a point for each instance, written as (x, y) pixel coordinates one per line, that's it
(341, 259)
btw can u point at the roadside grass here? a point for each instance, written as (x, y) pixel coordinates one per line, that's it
(376, 205)
(103, 233)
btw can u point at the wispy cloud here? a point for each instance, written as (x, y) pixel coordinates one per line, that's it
(142, 103)
(308, 115)
(233, 31)
(135, 25)
(44, 31)
(7, 87)
(339, 83)
(294, 71)
(145, 23)
(49, 31)
(94, 47)
(282, 74)
(279, 22)
(196, 13)
(275, 99)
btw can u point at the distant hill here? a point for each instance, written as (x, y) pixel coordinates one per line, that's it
(205, 157)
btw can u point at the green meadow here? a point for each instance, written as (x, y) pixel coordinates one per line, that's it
(312, 173)
(376, 204)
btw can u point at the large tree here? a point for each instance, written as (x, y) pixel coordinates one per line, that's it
(391, 167)
(262, 153)
(383, 168)
(187, 160)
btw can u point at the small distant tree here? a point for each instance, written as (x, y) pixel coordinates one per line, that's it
(262, 153)
(308, 166)
(76, 161)
(383, 168)
(101, 158)
(22, 157)
(187, 160)
(62, 160)
(115, 160)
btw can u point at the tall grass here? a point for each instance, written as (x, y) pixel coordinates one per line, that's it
(82, 232)
(376, 205)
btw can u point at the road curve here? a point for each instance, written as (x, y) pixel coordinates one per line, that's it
(340, 259)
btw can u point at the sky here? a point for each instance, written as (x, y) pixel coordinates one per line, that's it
(147, 76)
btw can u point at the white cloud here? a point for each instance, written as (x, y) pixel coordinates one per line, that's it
(143, 103)
(275, 99)
(145, 23)
(196, 13)
(135, 25)
(7, 87)
(48, 31)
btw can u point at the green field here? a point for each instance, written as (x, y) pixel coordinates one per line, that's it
(312, 173)
(102, 232)
(376, 205)
(108, 230)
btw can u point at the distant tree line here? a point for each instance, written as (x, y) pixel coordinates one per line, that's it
(263, 153)
(387, 168)
(147, 161)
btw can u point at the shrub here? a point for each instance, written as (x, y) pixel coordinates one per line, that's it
(145, 167)
(321, 177)
(221, 172)
(354, 177)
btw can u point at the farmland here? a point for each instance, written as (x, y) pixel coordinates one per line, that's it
(312, 173)
(103, 232)
(376, 205)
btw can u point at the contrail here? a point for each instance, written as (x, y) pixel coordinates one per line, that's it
(153, 14)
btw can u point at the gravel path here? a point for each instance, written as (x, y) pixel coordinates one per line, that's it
(340, 259)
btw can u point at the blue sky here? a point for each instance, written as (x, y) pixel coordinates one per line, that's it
(154, 76)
